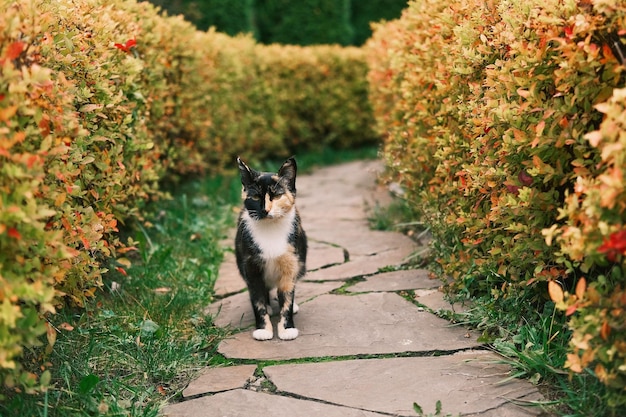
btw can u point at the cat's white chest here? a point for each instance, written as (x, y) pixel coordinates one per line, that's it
(271, 236)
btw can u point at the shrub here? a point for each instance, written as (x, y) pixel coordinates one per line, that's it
(99, 102)
(320, 93)
(489, 110)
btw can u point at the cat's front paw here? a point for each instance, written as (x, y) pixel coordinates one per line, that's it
(287, 334)
(262, 334)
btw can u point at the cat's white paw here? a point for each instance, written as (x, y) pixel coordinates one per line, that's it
(296, 308)
(287, 334)
(262, 334)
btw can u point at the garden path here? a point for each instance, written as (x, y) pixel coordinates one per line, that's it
(364, 348)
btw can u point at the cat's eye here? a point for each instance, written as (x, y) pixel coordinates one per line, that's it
(255, 197)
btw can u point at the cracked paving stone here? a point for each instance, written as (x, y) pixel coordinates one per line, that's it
(338, 325)
(412, 279)
(220, 379)
(360, 240)
(245, 403)
(470, 383)
(436, 301)
(361, 265)
(235, 311)
(322, 255)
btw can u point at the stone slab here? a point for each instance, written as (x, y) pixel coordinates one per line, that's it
(358, 239)
(412, 279)
(362, 265)
(345, 178)
(235, 311)
(469, 384)
(323, 255)
(244, 403)
(436, 301)
(228, 279)
(347, 186)
(338, 325)
(220, 379)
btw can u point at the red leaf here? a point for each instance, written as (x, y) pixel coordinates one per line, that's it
(122, 47)
(121, 270)
(14, 50)
(513, 189)
(12, 232)
(614, 246)
(569, 32)
(126, 47)
(524, 178)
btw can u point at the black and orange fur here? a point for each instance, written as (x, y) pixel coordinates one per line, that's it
(271, 245)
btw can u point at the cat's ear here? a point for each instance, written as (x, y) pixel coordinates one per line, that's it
(247, 175)
(288, 172)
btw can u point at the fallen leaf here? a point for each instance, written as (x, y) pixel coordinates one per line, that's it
(581, 287)
(66, 326)
(555, 291)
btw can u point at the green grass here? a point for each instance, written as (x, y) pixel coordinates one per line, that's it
(139, 342)
(534, 342)
(145, 336)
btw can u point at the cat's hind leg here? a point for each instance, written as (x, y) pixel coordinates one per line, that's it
(286, 328)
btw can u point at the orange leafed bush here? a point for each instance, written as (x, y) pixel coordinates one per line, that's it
(504, 123)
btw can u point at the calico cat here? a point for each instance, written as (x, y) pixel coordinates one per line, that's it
(270, 245)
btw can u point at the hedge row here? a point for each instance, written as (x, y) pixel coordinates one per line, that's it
(505, 123)
(99, 101)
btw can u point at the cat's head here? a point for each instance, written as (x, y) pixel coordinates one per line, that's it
(267, 195)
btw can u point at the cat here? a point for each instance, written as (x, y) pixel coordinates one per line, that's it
(271, 246)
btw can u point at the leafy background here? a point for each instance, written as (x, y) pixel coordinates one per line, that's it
(502, 121)
(101, 101)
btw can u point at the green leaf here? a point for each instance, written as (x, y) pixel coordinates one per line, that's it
(418, 409)
(148, 327)
(45, 378)
(438, 407)
(87, 384)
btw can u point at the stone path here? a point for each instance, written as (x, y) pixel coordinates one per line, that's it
(364, 348)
